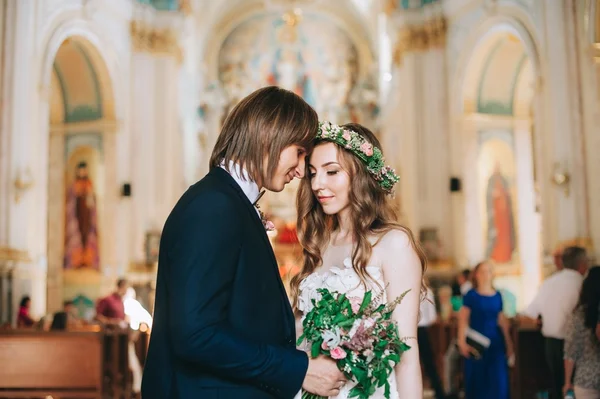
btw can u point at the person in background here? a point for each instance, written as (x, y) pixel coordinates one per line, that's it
(598, 324)
(463, 284)
(137, 316)
(582, 350)
(135, 312)
(65, 319)
(486, 375)
(554, 302)
(24, 320)
(111, 310)
(427, 317)
(557, 256)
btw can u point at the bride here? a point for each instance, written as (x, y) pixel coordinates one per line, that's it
(351, 242)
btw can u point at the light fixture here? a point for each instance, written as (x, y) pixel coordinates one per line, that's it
(561, 177)
(22, 183)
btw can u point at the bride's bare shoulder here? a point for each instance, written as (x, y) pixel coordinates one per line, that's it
(395, 239)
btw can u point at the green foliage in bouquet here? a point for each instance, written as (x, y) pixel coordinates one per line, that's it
(359, 335)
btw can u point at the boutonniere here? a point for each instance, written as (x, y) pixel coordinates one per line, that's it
(267, 224)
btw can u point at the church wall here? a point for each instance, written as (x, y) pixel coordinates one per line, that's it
(587, 15)
(103, 26)
(425, 132)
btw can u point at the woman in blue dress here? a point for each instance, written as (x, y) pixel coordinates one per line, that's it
(486, 372)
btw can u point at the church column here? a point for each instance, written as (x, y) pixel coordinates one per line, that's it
(588, 21)
(563, 139)
(421, 120)
(157, 166)
(433, 153)
(529, 233)
(24, 223)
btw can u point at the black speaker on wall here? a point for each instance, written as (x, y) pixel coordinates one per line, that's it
(454, 184)
(126, 190)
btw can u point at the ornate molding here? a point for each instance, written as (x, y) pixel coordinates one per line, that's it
(98, 126)
(429, 35)
(584, 242)
(185, 6)
(146, 38)
(8, 254)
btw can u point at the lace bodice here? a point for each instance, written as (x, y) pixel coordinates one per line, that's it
(341, 279)
(344, 280)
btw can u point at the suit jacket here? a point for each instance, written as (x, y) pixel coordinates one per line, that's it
(223, 326)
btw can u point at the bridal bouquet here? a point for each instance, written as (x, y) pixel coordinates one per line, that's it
(359, 335)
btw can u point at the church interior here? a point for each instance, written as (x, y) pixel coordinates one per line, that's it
(487, 109)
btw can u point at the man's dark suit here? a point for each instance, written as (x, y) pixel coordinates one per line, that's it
(223, 326)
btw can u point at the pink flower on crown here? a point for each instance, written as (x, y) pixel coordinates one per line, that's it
(367, 149)
(338, 353)
(346, 135)
(324, 131)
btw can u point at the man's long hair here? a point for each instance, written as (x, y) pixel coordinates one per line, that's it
(260, 127)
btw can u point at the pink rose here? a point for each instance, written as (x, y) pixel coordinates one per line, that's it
(346, 135)
(367, 149)
(355, 302)
(269, 226)
(324, 346)
(338, 353)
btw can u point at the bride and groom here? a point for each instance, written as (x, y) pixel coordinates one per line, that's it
(223, 324)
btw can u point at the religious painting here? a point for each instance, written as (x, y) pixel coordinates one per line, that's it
(310, 55)
(81, 249)
(151, 246)
(498, 199)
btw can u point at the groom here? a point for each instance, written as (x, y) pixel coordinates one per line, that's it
(223, 326)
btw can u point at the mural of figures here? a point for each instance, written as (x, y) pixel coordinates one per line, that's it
(498, 195)
(81, 224)
(312, 57)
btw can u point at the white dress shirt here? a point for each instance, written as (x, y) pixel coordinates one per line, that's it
(555, 301)
(241, 177)
(428, 314)
(466, 287)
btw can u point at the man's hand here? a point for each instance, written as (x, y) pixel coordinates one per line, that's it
(323, 377)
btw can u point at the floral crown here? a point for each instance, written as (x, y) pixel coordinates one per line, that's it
(371, 156)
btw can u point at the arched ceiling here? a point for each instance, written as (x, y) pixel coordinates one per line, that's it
(75, 84)
(162, 5)
(500, 77)
(220, 18)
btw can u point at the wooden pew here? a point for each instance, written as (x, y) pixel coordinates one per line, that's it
(61, 364)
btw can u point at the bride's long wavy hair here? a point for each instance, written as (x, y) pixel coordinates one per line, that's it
(372, 215)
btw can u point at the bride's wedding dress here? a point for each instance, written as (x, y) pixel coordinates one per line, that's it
(345, 280)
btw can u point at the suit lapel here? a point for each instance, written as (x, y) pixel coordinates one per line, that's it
(225, 177)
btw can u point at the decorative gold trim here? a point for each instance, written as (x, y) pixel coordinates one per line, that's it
(145, 38)
(185, 6)
(429, 35)
(102, 126)
(584, 242)
(8, 254)
(390, 6)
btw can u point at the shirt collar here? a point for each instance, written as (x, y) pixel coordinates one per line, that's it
(242, 178)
